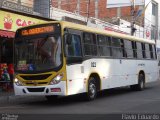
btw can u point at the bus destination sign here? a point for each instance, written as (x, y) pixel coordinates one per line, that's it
(39, 30)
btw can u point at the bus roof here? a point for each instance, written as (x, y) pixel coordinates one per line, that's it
(65, 24)
(104, 32)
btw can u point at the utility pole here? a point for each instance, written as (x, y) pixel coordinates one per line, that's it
(133, 29)
(78, 7)
(96, 8)
(59, 4)
(88, 10)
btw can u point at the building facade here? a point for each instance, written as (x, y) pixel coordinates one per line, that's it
(13, 15)
(101, 9)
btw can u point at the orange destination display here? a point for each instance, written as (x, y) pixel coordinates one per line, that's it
(39, 30)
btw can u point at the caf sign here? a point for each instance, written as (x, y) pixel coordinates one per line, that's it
(22, 23)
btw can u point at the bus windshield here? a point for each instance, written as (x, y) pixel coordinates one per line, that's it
(38, 54)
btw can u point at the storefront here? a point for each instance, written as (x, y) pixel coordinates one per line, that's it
(9, 22)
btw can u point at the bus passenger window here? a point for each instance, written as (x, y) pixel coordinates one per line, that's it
(143, 50)
(129, 49)
(74, 48)
(134, 47)
(154, 52)
(139, 50)
(104, 45)
(89, 43)
(116, 48)
(148, 56)
(151, 51)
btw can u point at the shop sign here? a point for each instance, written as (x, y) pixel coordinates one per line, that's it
(13, 5)
(11, 21)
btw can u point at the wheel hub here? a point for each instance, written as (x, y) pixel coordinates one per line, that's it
(92, 90)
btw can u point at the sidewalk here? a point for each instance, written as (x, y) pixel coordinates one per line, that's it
(5, 96)
(11, 98)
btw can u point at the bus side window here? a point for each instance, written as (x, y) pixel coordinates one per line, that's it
(151, 51)
(139, 50)
(129, 48)
(116, 48)
(104, 45)
(134, 47)
(89, 42)
(143, 50)
(124, 53)
(148, 56)
(74, 47)
(154, 52)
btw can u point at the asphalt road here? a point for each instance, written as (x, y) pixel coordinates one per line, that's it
(114, 101)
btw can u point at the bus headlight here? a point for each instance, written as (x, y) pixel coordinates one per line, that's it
(57, 79)
(18, 82)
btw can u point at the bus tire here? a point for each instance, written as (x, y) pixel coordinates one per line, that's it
(92, 89)
(141, 83)
(51, 98)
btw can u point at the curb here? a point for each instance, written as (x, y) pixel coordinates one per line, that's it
(13, 99)
(10, 98)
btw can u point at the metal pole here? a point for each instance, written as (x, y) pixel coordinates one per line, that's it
(78, 6)
(50, 6)
(88, 10)
(96, 8)
(59, 4)
(133, 17)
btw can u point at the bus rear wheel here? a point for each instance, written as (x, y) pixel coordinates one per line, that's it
(141, 83)
(92, 89)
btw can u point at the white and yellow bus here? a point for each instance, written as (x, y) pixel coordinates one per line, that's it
(61, 58)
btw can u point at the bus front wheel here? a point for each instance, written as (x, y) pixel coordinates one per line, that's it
(92, 89)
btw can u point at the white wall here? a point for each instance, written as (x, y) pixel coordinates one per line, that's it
(122, 3)
(151, 20)
(58, 14)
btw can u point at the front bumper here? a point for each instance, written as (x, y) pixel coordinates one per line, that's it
(41, 90)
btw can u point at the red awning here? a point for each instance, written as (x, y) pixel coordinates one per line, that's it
(8, 34)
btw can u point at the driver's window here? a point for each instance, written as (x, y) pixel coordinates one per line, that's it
(74, 48)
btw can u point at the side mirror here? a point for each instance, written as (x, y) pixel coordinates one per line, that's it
(69, 39)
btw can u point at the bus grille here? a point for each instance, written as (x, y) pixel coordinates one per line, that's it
(38, 83)
(35, 77)
(36, 89)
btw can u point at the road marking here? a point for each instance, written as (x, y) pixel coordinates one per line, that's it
(12, 107)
